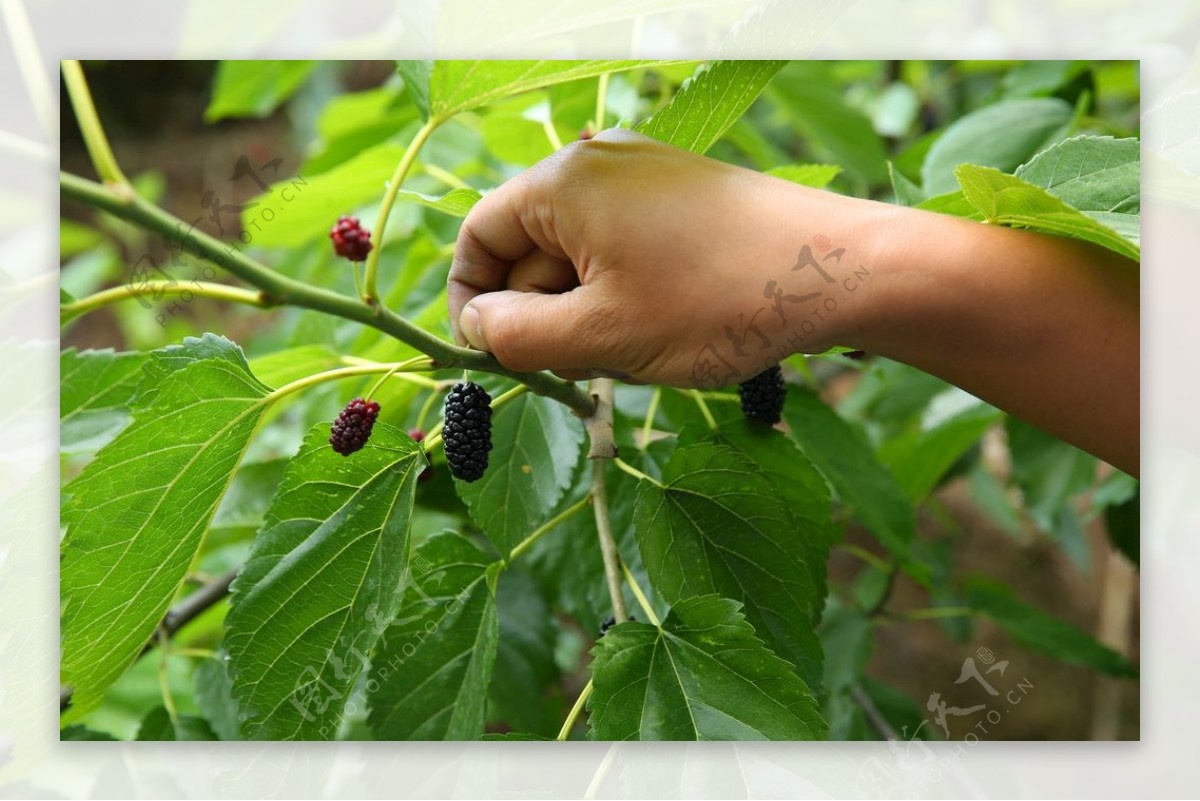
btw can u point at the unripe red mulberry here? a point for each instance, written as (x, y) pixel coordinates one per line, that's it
(352, 428)
(350, 240)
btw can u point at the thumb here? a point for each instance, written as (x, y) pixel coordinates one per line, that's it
(533, 331)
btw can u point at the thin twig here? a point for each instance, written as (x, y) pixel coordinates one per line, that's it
(577, 708)
(279, 289)
(603, 390)
(878, 722)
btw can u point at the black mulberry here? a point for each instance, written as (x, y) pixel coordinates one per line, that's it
(350, 240)
(353, 426)
(763, 396)
(468, 430)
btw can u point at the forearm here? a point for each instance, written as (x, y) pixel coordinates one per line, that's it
(1045, 328)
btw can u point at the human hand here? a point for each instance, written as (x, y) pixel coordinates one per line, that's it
(626, 257)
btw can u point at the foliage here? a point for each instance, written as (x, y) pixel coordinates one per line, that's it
(376, 597)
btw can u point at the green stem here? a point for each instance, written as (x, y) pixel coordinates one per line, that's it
(573, 715)
(204, 289)
(601, 101)
(370, 291)
(445, 176)
(427, 407)
(164, 685)
(866, 556)
(103, 160)
(279, 289)
(712, 423)
(642, 600)
(655, 397)
(551, 134)
(526, 543)
(313, 380)
(633, 471)
(399, 366)
(937, 612)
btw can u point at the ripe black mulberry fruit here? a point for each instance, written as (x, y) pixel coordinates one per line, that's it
(609, 622)
(350, 240)
(353, 426)
(763, 396)
(468, 430)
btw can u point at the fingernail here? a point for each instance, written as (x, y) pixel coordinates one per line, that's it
(471, 326)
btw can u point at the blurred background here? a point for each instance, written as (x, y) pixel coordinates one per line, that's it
(204, 139)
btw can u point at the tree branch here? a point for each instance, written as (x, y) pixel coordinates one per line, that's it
(603, 390)
(279, 289)
(176, 618)
(878, 722)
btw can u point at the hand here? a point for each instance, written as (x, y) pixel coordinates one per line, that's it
(626, 257)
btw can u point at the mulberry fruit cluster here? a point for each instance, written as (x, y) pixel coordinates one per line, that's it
(763, 396)
(350, 240)
(352, 428)
(468, 430)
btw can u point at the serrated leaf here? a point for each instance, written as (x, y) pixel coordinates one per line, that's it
(95, 387)
(323, 580)
(538, 447)
(158, 726)
(1008, 200)
(708, 103)
(1002, 135)
(702, 675)
(718, 523)
(1037, 630)
(254, 88)
(847, 461)
(817, 176)
(442, 88)
(1097, 175)
(952, 203)
(136, 515)
(434, 665)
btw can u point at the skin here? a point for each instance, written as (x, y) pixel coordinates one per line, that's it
(626, 257)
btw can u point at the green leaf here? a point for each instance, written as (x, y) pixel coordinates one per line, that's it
(524, 694)
(1097, 175)
(95, 387)
(323, 581)
(290, 364)
(1041, 77)
(136, 515)
(417, 75)
(907, 193)
(80, 733)
(442, 89)
(809, 94)
(952, 203)
(1002, 135)
(1123, 522)
(849, 464)
(708, 103)
(1048, 471)
(254, 88)
(538, 448)
(213, 692)
(702, 675)
(1041, 632)
(157, 725)
(718, 523)
(435, 663)
(919, 459)
(817, 176)
(1008, 200)
(456, 202)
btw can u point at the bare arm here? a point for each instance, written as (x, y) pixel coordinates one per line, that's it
(626, 257)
